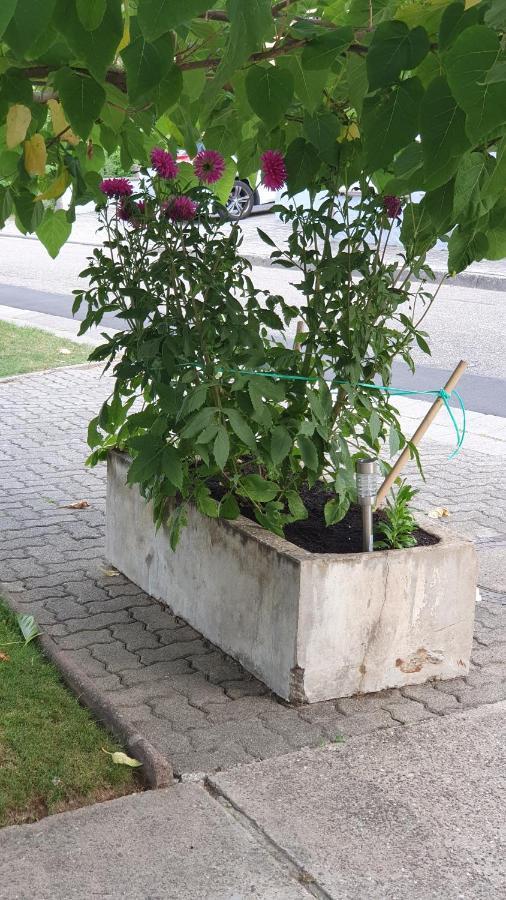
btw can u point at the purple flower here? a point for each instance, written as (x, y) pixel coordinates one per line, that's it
(273, 169)
(164, 163)
(180, 209)
(392, 206)
(129, 211)
(116, 187)
(209, 166)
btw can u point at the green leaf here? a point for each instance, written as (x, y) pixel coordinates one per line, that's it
(28, 23)
(97, 49)
(308, 452)
(302, 164)
(54, 231)
(417, 231)
(91, 13)
(496, 14)
(467, 64)
(251, 24)
(443, 134)
(323, 131)
(281, 444)
(171, 466)
(493, 186)
(229, 507)
(374, 425)
(269, 90)
(28, 627)
(394, 440)
(464, 247)
(82, 99)
(168, 90)
(308, 84)
(207, 504)
(422, 343)
(241, 428)
(198, 423)
(156, 17)
(257, 488)
(6, 12)
(28, 213)
(323, 50)
(121, 759)
(146, 64)
(221, 447)
(455, 19)
(394, 49)
(223, 187)
(148, 461)
(296, 505)
(336, 509)
(390, 121)
(496, 232)
(467, 194)
(439, 205)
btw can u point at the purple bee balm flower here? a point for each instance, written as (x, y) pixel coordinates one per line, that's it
(392, 206)
(273, 170)
(209, 166)
(164, 163)
(116, 187)
(180, 209)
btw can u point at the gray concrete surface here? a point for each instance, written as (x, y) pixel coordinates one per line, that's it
(417, 813)
(175, 844)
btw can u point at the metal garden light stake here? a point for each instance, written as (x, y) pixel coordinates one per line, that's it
(367, 471)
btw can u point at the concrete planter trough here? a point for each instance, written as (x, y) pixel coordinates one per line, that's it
(310, 626)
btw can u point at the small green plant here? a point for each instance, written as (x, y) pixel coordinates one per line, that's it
(399, 524)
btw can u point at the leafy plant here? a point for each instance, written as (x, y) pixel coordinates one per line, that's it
(80, 80)
(397, 529)
(230, 412)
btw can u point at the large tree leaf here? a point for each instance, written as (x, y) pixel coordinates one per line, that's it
(7, 8)
(417, 233)
(82, 99)
(467, 63)
(146, 64)
(496, 232)
(394, 49)
(390, 121)
(308, 84)
(91, 13)
(467, 200)
(54, 230)
(464, 247)
(97, 49)
(156, 17)
(302, 164)
(269, 90)
(18, 120)
(35, 155)
(29, 22)
(454, 20)
(323, 131)
(28, 213)
(495, 184)
(442, 129)
(324, 49)
(439, 205)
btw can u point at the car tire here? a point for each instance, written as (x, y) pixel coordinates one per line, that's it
(241, 201)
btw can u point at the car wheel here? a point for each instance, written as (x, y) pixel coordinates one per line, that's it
(240, 202)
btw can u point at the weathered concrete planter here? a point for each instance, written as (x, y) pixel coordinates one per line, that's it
(311, 626)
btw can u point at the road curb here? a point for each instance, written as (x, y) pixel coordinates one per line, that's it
(156, 768)
(477, 281)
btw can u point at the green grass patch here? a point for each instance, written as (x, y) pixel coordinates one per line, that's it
(30, 350)
(50, 746)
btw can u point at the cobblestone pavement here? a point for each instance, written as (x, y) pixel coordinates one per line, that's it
(192, 702)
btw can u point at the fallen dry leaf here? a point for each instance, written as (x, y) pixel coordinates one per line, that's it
(65, 351)
(79, 504)
(121, 759)
(439, 512)
(110, 572)
(4, 657)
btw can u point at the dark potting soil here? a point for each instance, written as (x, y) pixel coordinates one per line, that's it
(314, 535)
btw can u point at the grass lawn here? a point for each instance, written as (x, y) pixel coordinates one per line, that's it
(50, 746)
(30, 349)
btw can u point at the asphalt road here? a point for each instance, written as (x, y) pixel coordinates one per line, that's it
(463, 322)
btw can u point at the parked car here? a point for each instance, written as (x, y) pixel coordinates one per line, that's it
(245, 198)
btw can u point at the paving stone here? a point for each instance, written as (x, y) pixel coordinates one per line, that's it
(491, 692)
(84, 639)
(483, 656)
(244, 687)
(161, 734)
(450, 687)
(352, 706)
(178, 712)
(435, 701)
(218, 667)
(202, 762)
(251, 734)
(318, 712)
(408, 712)
(155, 617)
(155, 672)
(121, 588)
(114, 656)
(145, 693)
(363, 724)
(66, 610)
(87, 663)
(245, 708)
(134, 636)
(297, 732)
(199, 692)
(173, 651)
(101, 620)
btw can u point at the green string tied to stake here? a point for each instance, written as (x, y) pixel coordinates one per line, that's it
(445, 396)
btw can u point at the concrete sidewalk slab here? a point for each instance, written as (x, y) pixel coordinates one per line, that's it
(176, 844)
(415, 813)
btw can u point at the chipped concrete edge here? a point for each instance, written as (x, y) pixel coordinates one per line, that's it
(156, 768)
